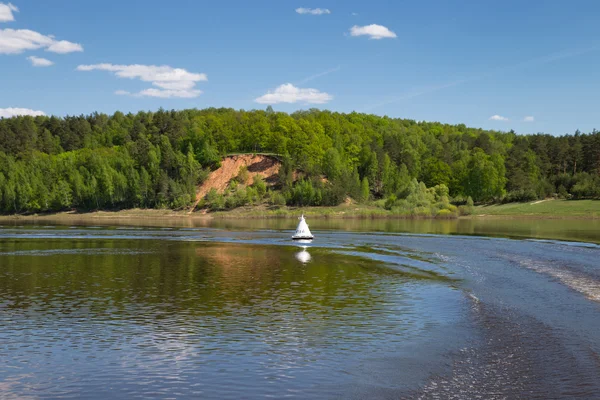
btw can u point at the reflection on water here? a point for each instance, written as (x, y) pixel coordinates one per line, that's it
(219, 314)
(106, 318)
(303, 256)
(587, 230)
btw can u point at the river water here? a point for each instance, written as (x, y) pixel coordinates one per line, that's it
(229, 312)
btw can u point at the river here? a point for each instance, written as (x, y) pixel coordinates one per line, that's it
(236, 310)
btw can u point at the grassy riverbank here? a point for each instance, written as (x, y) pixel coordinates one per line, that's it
(249, 212)
(132, 214)
(341, 211)
(543, 210)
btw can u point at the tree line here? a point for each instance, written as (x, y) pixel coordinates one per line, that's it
(157, 159)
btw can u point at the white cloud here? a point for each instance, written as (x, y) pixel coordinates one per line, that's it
(529, 118)
(64, 47)
(164, 94)
(374, 31)
(354, 14)
(169, 93)
(15, 41)
(6, 12)
(172, 82)
(288, 93)
(498, 118)
(39, 62)
(313, 11)
(13, 112)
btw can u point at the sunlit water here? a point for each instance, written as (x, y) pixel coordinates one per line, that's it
(200, 312)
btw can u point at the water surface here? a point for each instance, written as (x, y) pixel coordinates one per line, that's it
(227, 312)
(584, 230)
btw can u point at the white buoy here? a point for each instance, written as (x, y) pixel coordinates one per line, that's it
(302, 231)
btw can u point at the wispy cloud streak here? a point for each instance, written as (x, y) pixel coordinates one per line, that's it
(320, 74)
(416, 93)
(494, 72)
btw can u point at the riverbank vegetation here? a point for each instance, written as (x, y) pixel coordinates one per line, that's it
(403, 167)
(543, 209)
(539, 210)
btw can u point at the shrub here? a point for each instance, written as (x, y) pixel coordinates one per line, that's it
(252, 196)
(215, 202)
(233, 185)
(469, 202)
(562, 192)
(544, 189)
(587, 186)
(230, 202)
(276, 199)
(390, 202)
(522, 195)
(260, 186)
(445, 214)
(464, 210)
(422, 212)
(243, 175)
(241, 198)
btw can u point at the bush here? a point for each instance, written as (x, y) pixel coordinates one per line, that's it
(233, 185)
(252, 196)
(334, 195)
(522, 195)
(422, 212)
(260, 186)
(470, 202)
(421, 201)
(390, 202)
(230, 203)
(276, 199)
(565, 180)
(243, 175)
(562, 192)
(214, 200)
(544, 189)
(240, 197)
(445, 214)
(586, 186)
(465, 210)
(302, 194)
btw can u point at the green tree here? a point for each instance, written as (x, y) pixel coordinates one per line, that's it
(365, 190)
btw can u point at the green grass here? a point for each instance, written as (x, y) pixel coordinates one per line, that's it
(263, 211)
(359, 211)
(548, 208)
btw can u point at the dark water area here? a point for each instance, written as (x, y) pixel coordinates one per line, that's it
(225, 312)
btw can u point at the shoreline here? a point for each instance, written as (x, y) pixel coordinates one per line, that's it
(254, 213)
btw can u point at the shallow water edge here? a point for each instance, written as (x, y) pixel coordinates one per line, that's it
(583, 230)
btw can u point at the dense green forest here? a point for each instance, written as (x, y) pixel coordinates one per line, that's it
(156, 160)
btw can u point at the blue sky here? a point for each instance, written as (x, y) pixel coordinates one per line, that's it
(529, 65)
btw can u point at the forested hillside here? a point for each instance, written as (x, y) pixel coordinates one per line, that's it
(157, 159)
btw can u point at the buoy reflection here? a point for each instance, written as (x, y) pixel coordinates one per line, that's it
(303, 256)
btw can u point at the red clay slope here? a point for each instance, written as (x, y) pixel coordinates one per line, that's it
(265, 166)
